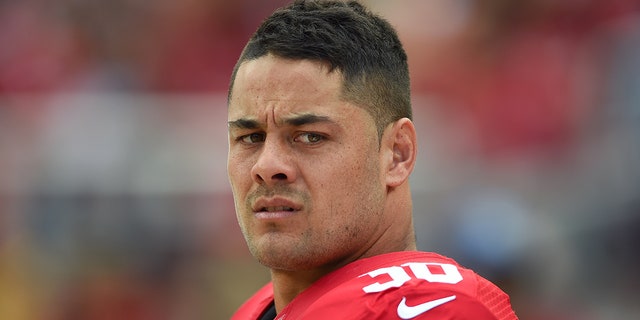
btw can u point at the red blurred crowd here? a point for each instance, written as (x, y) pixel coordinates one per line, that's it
(552, 81)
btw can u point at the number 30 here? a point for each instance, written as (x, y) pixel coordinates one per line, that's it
(419, 269)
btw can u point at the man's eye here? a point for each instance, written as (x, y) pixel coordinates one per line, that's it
(252, 138)
(309, 137)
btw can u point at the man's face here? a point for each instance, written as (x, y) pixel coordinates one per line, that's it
(304, 166)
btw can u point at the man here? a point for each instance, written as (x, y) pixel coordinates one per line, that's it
(321, 146)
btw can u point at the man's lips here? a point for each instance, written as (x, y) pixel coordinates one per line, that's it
(274, 208)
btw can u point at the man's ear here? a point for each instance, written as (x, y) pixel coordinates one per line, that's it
(400, 140)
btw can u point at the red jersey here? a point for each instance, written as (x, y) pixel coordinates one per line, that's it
(399, 285)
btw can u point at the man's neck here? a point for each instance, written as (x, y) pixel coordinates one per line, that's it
(289, 284)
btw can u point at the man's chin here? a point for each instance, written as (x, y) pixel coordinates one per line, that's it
(285, 256)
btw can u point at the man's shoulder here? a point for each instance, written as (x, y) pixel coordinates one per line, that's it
(412, 269)
(400, 285)
(405, 285)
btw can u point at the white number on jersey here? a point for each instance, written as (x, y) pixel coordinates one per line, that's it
(399, 276)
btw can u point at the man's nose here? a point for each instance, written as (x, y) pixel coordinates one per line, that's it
(275, 163)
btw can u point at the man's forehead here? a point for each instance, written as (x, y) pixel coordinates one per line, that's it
(268, 73)
(281, 91)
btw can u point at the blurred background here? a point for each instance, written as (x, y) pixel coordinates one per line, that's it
(114, 199)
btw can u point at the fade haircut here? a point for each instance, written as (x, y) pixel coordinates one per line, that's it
(361, 45)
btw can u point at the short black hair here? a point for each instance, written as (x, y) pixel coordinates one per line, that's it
(361, 45)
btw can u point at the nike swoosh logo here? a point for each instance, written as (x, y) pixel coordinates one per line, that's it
(406, 312)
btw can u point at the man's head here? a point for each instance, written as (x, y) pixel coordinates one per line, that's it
(320, 148)
(348, 38)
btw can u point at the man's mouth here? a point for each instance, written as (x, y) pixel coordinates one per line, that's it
(276, 209)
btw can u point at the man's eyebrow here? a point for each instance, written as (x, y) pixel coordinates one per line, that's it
(243, 124)
(302, 119)
(296, 120)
